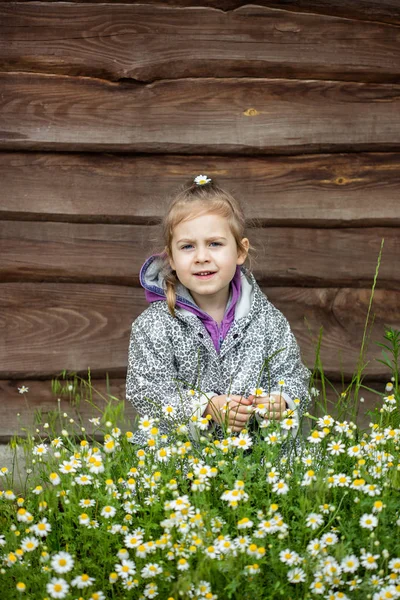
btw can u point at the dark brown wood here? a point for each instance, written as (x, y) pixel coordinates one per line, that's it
(342, 314)
(236, 116)
(49, 327)
(325, 190)
(369, 10)
(149, 42)
(20, 413)
(102, 253)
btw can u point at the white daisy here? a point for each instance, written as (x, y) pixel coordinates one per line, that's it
(329, 539)
(86, 502)
(182, 564)
(84, 479)
(82, 581)
(341, 480)
(350, 563)
(296, 575)
(62, 562)
(67, 467)
(108, 511)
(125, 569)
(151, 570)
(129, 583)
(29, 544)
(354, 451)
(24, 516)
(316, 436)
(201, 179)
(168, 410)
(163, 454)
(280, 487)
(314, 520)
(289, 557)
(336, 447)
(272, 475)
(40, 450)
(42, 528)
(394, 565)
(54, 478)
(212, 552)
(368, 521)
(259, 392)
(150, 591)
(132, 541)
(308, 477)
(369, 561)
(57, 588)
(242, 441)
(317, 587)
(315, 547)
(288, 423)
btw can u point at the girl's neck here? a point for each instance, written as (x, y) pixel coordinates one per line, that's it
(215, 307)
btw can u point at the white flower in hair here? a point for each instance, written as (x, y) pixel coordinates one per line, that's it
(201, 179)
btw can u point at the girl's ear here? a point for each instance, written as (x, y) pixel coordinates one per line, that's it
(243, 255)
(171, 262)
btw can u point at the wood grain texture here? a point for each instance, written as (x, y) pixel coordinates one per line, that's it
(235, 116)
(387, 11)
(103, 253)
(48, 327)
(22, 412)
(150, 42)
(325, 190)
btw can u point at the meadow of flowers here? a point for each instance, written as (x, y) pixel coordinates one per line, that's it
(208, 518)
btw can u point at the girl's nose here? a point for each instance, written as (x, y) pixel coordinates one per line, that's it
(202, 254)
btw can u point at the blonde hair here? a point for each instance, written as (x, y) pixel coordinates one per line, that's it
(192, 200)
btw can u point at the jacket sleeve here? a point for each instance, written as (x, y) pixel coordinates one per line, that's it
(150, 384)
(283, 363)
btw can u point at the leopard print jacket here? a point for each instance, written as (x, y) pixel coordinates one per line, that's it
(169, 356)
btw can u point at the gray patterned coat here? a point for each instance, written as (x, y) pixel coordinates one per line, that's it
(169, 356)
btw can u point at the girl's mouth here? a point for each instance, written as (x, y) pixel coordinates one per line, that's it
(209, 276)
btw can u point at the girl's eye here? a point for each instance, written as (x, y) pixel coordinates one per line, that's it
(188, 245)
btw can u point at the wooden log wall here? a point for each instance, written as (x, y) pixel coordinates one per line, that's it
(106, 107)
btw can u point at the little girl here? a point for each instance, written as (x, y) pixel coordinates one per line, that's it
(201, 348)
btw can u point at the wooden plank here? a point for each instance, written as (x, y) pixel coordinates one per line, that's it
(236, 116)
(49, 327)
(342, 314)
(21, 412)
(386, 11)
(149, 42)
(104, 253)
(325, 190)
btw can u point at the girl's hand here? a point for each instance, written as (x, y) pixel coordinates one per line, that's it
(274, 404)
(236, 411)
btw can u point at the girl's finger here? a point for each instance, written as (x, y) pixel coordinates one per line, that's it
(238, 420)
(240, 408)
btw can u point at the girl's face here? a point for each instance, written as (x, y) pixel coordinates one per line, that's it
(206, 243)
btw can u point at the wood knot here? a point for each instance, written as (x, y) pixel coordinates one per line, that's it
(251, 112)
(287, 27)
